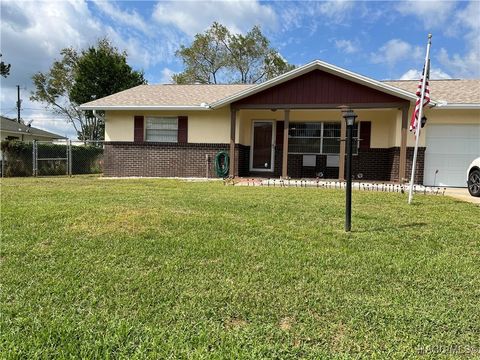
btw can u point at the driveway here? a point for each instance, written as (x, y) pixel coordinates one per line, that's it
(462, 194)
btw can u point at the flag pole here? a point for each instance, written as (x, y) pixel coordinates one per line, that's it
(419, 118)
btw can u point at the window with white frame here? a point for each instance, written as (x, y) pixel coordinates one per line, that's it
(161, 129)
(317, 138)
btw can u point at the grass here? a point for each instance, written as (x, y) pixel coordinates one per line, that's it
(94, 268)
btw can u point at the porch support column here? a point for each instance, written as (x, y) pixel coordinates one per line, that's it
(403, 145)
(285, 144)
(233, 126)
(341, 160)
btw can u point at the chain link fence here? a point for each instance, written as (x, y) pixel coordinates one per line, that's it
(44, 158)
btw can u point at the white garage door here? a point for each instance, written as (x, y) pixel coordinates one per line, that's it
(450, 149)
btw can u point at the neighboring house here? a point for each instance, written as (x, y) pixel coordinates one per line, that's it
(10, 129)
(291, 126)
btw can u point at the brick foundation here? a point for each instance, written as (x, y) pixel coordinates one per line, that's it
(395, 163)
(162, 159)
(190, 160)
(379, 164)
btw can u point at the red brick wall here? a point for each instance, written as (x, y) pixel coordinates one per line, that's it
(380, 164)
(190, 160)
(395, 161)
(161, 159)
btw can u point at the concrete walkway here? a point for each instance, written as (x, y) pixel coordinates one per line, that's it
(462, 194)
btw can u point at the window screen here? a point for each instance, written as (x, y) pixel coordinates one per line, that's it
(305, 138)
(161, 129)
(317, 138)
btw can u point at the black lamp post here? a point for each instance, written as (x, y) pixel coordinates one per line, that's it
(349, 117)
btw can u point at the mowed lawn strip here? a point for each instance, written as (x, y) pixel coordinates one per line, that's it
(170, 269)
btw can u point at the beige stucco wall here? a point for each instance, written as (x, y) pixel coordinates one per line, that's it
(214, 126)
(439, 116)
(119, 125)
(209, 126)
(203, 126)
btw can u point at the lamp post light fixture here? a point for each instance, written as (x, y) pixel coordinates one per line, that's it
(349, 117)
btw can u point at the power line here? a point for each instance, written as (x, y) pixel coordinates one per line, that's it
(46, 119)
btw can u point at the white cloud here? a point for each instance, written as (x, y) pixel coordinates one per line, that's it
(166, 76)
(433, 14)
(43, 30)
(33, 33)
(465, 65)
(335, 10)
(455, 19)
(415, 74)
(346, 46)
(195, 17)
(310, 15)
(129, 18)
(395, 50)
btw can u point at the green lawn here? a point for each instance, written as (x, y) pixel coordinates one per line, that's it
(169, 269)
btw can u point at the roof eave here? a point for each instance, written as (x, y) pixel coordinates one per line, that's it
(143, 107)
(52, 136)
(320, 65)
(458, 106)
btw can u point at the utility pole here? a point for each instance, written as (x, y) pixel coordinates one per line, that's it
(19, 103)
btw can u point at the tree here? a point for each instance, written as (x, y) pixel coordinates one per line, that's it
(53, 89)
(98, 71)
(102, 71)
(4, 68)
(253, 58)
(205, 58)
(218, 56)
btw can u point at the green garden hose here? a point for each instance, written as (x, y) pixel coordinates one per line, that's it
(222, 164)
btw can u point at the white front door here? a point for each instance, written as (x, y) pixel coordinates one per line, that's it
(262, 150)
(450, 149)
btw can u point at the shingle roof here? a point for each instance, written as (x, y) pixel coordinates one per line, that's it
(169, 95)
(10, 125)
(452, 91)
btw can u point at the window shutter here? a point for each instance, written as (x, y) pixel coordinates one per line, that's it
(183, 129)
(279, 135)
(365, 134)
(138, 128)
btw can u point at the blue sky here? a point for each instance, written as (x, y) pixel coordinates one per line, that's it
(383, 40)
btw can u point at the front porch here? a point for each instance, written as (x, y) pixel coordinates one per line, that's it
(295, 129)
(306, 143)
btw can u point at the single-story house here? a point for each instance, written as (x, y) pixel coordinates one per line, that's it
(11, 129)
(292, 126)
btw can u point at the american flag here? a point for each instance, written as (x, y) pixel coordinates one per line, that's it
(426, 99)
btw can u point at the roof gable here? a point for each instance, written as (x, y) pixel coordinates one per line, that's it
(318, 87)
(325, 67)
